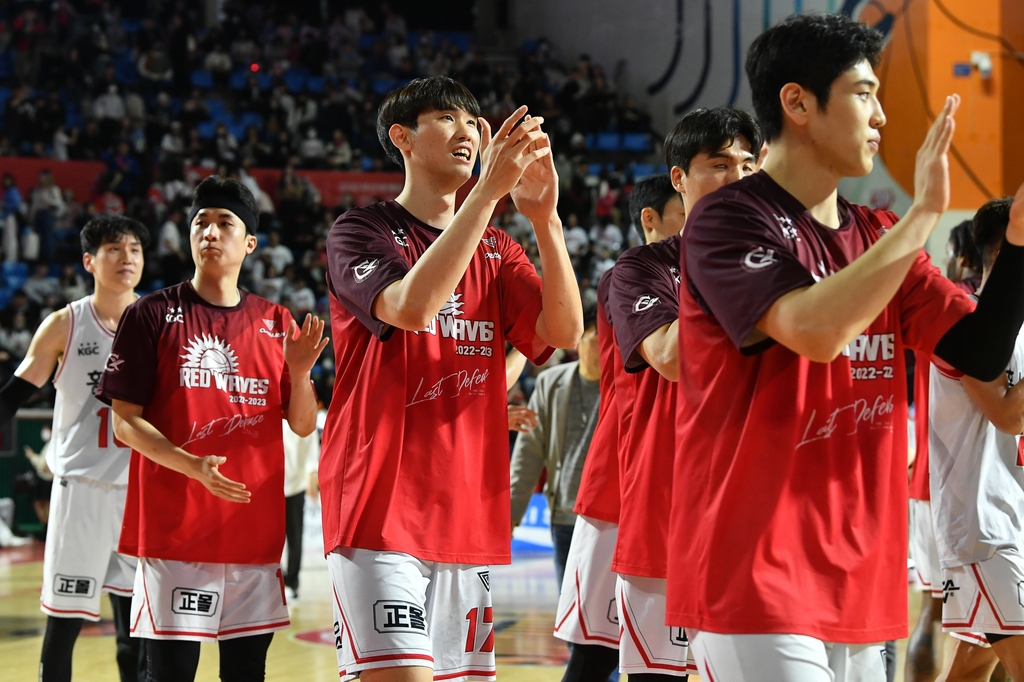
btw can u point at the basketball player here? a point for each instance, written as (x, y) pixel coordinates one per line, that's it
(795, 310)
(976, 481)
(414, 465)
(199, 377)
(963, 268)
(90, 468)
(707, 149)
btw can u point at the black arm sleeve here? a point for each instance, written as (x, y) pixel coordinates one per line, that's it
(13, 395)
(981, 343)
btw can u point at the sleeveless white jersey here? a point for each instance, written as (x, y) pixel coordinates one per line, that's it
(977, 479)
(83, 443)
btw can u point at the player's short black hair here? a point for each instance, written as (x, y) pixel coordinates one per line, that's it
(989, 227)
(962, 239)
(589, 316)
(652, 192)
(421, 95)
(811, 50)
(111, 228)
(708, 130)
(232, 195)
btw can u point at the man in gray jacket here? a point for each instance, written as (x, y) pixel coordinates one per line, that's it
(566, 402)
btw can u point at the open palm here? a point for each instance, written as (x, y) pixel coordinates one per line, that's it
(536, 193)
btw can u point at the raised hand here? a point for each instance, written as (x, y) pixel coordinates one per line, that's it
(505, 155)
(931, 172)
(536, 193)
(303, 346)
(217, 483)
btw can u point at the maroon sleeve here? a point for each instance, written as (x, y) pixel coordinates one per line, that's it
(363, 259)
(929, 305)
(521, 301)
(642, 297)
(735, 263)
(131, 368)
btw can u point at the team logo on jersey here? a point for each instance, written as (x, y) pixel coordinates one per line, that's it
(674, 271)
(822, 272)
(114, 362)
(210, 362)
(452, 326)
(677, 636)
(485, 578)
(174, 315)
(871, 347)
(86, 349)
(365, 269)
(491, 243)
(786, 223)
(392, 615)
(191, 602)
(948, 588)
(758, 258)
(74, 586)
(268, 329)
(400, 237)
(645, 303)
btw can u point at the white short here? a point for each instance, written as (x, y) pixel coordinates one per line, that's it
(80, 560)
(922, 547)
(785, 658)
(587, 613)
(393, 610)
(985, 597)
(648, 645)
(204, 602)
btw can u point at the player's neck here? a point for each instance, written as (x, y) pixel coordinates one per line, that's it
(109, 304)
(218, 290)
(428, 199)
(797, 168)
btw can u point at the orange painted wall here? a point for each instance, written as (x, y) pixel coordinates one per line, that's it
(986, 139)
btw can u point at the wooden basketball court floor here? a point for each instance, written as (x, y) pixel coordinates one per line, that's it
(524, 598)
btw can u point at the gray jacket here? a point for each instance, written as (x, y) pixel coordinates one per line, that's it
(545, 445)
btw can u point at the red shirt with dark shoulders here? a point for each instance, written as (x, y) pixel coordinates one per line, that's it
(213, 380)
(795, 518)
(415, 448)
(645, 297)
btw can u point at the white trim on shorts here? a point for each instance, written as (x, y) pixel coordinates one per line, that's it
(985, 597)
(588, 589)
(647, 645)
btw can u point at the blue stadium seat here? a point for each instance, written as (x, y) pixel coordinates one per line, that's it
(661, 169)
(607, 142)
(595, 169)
(636, 142)
(366, 42)
(16, 269)
(295, 80)
(157, 284)
(460, 39)
(642, 170)
(367, 163)
(7, 64)
(238, 78)
(316, 83)
(207, 129)
(215, 106)
(383, 86)
(238, 130)
(5, 94)
(266, 82)
(5, 295)
(251, 118)
(131, 25)
(262, 239)
(202, 79)
(16, 282)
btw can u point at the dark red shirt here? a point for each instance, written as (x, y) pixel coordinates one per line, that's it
(415, 448)
(795, 517)
(214, 381)
(644, 297)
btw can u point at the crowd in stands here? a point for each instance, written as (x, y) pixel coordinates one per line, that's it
(158, 99)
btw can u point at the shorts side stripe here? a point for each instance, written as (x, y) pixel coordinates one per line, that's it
(466, 673)
(636, 640)
(583, 622)
(50, 609)
(970, 621)
(281, 623)
(991, 605)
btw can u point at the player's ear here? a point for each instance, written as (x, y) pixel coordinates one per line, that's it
(796, 103)
(87, 262)
(647, 216)
(677, 175)
(401, 137)
(250, 243)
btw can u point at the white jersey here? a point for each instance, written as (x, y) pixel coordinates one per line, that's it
(83, 432)
(977, 481)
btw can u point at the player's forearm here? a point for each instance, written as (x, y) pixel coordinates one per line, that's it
(661, 350)
(140, 435)
(561, 318)
(514, 364)
(415, 300)
(1001, 403)
(302, 406)
(819, 321)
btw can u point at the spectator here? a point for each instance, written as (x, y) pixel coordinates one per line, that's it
(124, 171)
(63, 141)
(280, 255)
(172, 146)
(47, 205)
(311, 150)
(339, 152)
(225, 144)
(155, 67)
(301, 457)
(11, 211)
(16, 338)
(41, 285)
(72, 284)
(218, 62)
(169, 249)
(303, 300)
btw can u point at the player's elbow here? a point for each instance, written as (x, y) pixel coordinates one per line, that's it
(563, 332)
(121, 428)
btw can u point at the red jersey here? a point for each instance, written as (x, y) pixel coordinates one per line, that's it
(645, 297)
(919, 479)
(598, 494)
(213, 380)
(795, 517)
(415, 448)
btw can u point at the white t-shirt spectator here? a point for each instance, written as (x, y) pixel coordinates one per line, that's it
(280, 256)
(170, 240)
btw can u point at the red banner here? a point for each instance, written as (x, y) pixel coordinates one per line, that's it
(78, 176)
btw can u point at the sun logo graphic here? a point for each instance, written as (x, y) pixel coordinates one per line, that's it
(452, 326)
(208, 361)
